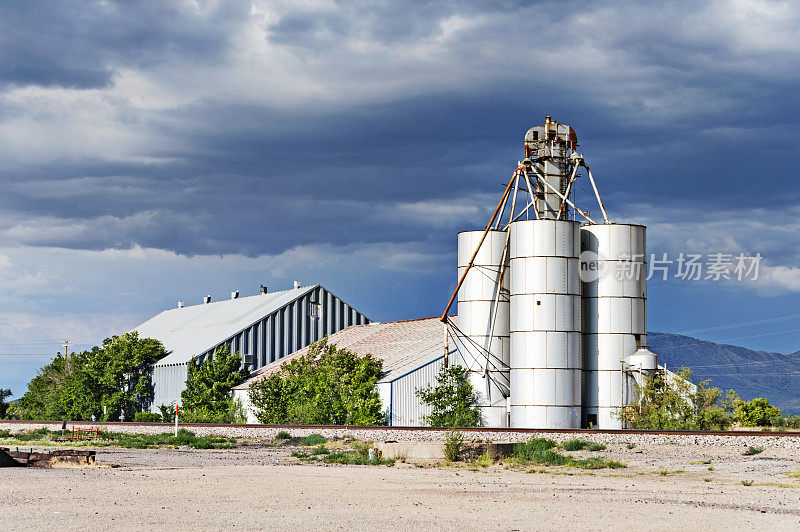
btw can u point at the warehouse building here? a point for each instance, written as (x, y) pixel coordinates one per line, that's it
(412, 352)
(262, 328)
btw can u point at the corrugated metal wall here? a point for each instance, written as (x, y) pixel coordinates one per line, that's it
(168, 383)
(406, 409)
(292, 327)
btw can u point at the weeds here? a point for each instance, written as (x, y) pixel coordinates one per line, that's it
(577, 445)
(630, 445)
(484, 460)
(752, 450)
(665, 472)
(747, 483)
(452, 445)
(701, 462)
(711, 468)
(320, 450)
(283, 435)
(706, 479)
(540, 451)
(313, 439)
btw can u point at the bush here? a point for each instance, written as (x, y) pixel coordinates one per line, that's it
(670, 405)
(526, 450)
(452, 399)
(282, 435)
(752, 451)
(207, 397)
(313, 439)
(452, 445)
(792, 422)
(167, 413)
(326, 386)
(757, 413)
(577, 445)
(147, 417)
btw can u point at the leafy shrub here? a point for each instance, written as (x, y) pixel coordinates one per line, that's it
(207, 397)
(671, 405)
(452, 399)
(326, 386)
(452, 445)
(5, 433)
(167, 413)
(282, 435)
(525, 450)
(320, 450)
(313, 439)
(752, 451)
(147, 417)
(792, 422)
(757, 413)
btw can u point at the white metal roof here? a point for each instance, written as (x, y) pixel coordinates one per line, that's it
(403, 346)
(190, 331)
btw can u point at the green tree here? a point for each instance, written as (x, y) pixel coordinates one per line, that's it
(673, 405)
(121, 371)
(452, 399)
(207, 397)
(3, 405)
(326, 386)
(114, 378)
(757, 413)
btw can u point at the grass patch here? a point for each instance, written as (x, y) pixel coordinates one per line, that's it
(484, 460)
(666, 472)
(319, 450)
(355, 458)
(701, 462)
(313, 439)
(540, 451)
(282, 435)
(578, 444)
(752, 451)
(794, 474)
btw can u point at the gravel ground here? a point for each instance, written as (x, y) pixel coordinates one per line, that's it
(257, 486)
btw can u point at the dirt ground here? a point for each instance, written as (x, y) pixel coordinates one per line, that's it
(256, 486)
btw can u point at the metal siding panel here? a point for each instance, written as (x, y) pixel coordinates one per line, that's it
(407, 409)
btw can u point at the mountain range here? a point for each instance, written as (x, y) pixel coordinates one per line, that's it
(751, 374)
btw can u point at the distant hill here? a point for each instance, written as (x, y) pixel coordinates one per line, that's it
(751, 373)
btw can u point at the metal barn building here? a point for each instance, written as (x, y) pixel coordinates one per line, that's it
(263, 328)
(412, 352)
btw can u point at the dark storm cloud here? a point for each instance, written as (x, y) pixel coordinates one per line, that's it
(663, 117)
(80, 44)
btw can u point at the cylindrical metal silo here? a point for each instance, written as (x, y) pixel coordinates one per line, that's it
(483, 320)
(546, 359)
(614, 278)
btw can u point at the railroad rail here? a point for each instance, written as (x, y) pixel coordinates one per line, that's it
(379, 428)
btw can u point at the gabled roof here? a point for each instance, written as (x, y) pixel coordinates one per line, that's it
(403, 346)
(190, 331)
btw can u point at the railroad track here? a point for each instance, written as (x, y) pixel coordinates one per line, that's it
(377, 429)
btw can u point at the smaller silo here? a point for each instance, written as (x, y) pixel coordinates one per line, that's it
(614, 278)
(482, 335)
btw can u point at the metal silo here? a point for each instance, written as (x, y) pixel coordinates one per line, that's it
(613, 274)
(483, 321)
(546, 359)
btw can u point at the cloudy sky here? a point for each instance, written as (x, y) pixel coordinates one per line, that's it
(157, 151)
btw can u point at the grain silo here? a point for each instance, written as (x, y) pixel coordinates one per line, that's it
(570, 298)
(483, 310)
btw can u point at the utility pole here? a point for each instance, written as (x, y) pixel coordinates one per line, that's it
(66, 347)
